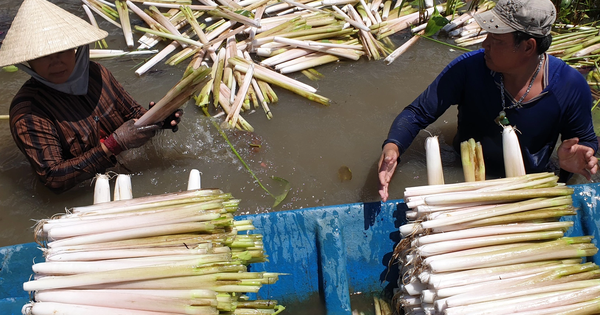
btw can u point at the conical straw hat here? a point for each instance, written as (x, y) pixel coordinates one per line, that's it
(41, 28)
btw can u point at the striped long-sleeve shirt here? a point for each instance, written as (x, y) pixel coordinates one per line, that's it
(60, 133)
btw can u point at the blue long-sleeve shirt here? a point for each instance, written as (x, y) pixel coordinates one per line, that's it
(563, 108)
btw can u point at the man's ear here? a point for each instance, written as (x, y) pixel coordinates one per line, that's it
(530, 46)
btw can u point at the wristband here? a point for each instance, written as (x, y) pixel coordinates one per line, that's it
(112, 145)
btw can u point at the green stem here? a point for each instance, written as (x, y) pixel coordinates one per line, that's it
(170, 36)
(596, 104)
(240, 158)
(581, 57)
(571, 36)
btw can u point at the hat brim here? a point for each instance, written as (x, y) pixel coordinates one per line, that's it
(42, 28)
(492, 23)
(20, 58)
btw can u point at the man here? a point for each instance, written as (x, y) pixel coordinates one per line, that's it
(510, 81)
(72, 117)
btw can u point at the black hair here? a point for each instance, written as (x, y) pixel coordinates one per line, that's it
(542, 43)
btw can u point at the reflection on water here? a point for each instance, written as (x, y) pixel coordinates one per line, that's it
(305, 143)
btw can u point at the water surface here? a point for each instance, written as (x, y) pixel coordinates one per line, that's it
(305, 143)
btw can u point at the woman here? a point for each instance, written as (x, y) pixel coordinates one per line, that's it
(72, 117)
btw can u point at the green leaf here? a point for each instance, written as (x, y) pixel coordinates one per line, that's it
(435, 23)
(222, 222)
(279, 309)
(312, 74)
(245, 13)
(242, 256)
(10, 69)
(279, 198)
(565, 4)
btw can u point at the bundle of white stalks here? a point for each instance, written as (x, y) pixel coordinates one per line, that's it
(495, 247)
(104, 11)
(471, 154)
(169, 254)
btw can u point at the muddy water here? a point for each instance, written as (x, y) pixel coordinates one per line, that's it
(305, 143)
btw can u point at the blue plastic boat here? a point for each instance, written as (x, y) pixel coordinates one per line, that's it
(333, 255)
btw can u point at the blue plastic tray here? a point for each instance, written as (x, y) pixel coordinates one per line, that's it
(330, 253)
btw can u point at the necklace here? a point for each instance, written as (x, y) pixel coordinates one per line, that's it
(501, 119)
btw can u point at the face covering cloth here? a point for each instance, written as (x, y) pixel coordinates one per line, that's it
(77, 84)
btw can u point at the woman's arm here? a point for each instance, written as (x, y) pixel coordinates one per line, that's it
(127, 106)
(38, 139)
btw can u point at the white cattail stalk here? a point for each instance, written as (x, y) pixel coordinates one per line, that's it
(233, 115)
(194, 180)
(123, 188)
(52, 308)
(107, 53)
(125, 24)
(101, 189)
(400, 50)
(177, 6)
(170, 270)
(131, 301)
(435, 174)
(157, 58)
(513, 160)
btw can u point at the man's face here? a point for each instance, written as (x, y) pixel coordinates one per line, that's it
(55, 68)
(501, 55)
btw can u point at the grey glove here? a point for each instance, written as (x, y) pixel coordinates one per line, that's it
(129, 136)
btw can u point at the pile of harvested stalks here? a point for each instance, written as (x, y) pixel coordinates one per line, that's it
(229, 36)
(271, 38)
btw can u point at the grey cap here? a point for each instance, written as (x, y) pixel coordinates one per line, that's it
(533, 17)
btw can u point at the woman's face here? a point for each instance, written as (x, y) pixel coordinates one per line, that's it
(55, 68)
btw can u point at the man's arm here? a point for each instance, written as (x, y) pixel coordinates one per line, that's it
(580, 143)
(386, 166)
(424, 110)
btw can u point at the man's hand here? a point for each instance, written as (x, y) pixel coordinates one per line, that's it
(386, 167)
(576, 158)
(172, 121)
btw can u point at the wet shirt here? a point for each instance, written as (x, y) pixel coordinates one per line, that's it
(563, 108)
(60, 133)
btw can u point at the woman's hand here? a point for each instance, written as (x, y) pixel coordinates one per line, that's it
(128, 136)
(386, 167)
(172, 121)
(576, 158)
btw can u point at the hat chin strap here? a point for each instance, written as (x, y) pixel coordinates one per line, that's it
(77, 84)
